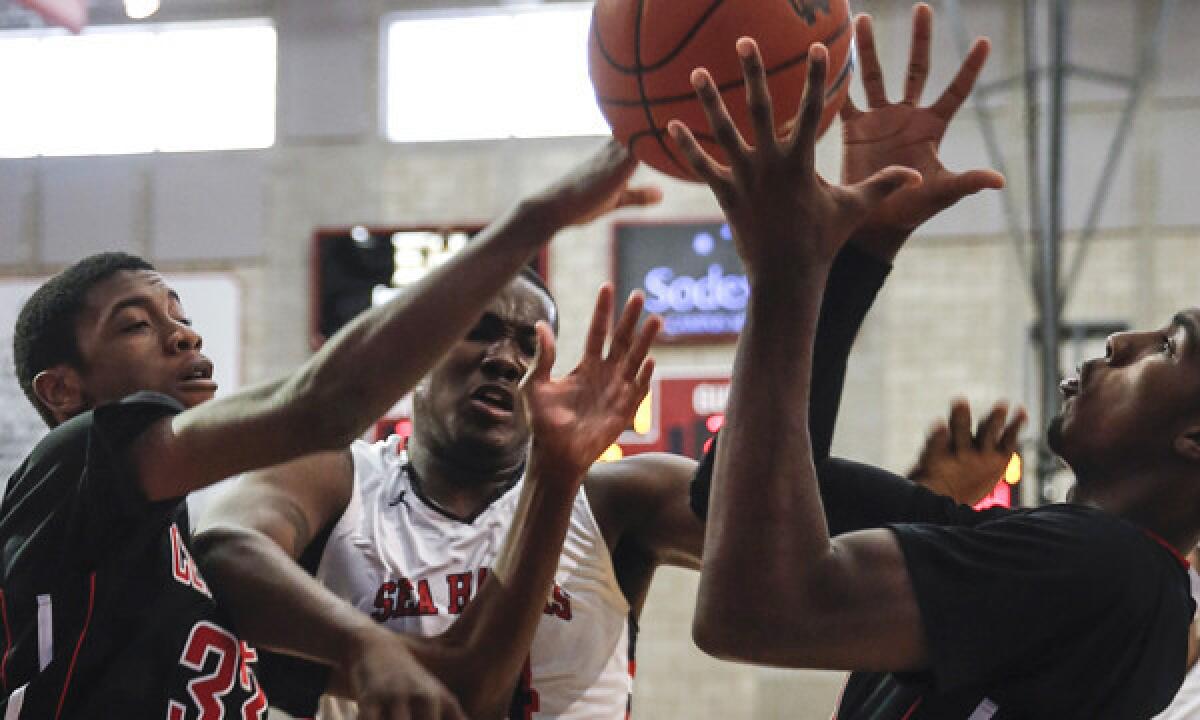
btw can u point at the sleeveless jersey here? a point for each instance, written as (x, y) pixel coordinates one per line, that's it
(403, 561)
(104, 612)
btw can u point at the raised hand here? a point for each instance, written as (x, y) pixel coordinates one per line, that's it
(904, 133)
(963, 466)
(594, 188)
(781, 211)
(575, 418)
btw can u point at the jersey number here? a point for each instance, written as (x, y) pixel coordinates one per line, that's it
(525, 700)
(208, 690)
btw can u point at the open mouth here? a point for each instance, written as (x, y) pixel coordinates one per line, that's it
(198, 376)
(496, 399)
(1069, 387)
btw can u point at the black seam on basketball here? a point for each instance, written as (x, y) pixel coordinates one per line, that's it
(657, 132)
(729, 85)
(641, 82)
(604, 51)
(671, 55)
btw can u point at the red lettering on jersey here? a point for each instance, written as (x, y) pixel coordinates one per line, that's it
(385, 602)
(249, 655)
(560, 604)
(183, 567)
(425, 604)
(458, 586)
(396, 598)
(207, 692)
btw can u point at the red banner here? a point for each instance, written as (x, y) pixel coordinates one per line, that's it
(71, 14)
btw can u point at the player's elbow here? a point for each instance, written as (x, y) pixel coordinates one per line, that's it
(221, 550)
(725, 635)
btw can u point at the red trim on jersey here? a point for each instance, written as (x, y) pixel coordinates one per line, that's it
(1169, 547)
(7, 641)
(78, 644)
(912, 709)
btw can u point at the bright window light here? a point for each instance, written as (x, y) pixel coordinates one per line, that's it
(138, 89)
(512, 72)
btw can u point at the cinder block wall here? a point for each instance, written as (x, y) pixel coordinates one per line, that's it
(952, 320)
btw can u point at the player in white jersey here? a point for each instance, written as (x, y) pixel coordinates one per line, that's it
(400, 559)
(469, 443)
(413, 555)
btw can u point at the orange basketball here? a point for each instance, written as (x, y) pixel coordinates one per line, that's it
(641, 54)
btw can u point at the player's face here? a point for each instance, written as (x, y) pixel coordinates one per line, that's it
(1130, 405)
(133, 336)
(468, 404)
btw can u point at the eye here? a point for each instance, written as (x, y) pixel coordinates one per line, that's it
(136, 326)
(486, 330)
(528, 343)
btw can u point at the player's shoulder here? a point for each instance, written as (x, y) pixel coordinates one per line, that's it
(655, 468)
(1090, 539)
(635, 487)
(63, 453)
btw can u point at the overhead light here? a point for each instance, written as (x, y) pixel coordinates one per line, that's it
(141, 9)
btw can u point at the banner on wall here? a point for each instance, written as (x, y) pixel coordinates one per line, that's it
(690, 274)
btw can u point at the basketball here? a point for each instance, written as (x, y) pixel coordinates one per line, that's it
(641, 55)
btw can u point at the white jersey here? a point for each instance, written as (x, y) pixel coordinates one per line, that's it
(403, 561)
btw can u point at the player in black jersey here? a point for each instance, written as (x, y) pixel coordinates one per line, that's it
(104, 612)
(1087, 603)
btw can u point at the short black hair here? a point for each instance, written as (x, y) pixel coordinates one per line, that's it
(532, 276)
(45, 334)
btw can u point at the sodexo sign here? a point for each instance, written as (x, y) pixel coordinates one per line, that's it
(690, 274)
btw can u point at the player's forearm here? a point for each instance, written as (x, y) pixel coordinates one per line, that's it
(881, 243)
(853, 284)
(766, 522)
(269, 596)
(480, 657)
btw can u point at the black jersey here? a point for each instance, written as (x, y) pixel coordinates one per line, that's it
(1061, 612)
(104, 613)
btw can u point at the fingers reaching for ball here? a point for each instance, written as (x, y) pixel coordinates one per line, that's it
(783, 215)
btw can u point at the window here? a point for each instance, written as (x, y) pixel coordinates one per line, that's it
(492, 73)
(132, 89)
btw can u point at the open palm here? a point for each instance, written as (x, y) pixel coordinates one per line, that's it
(576, 417)
(905, 134)
(963, 466)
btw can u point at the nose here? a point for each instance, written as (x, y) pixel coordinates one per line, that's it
(504, 360)
(184, 339)
(1126, 347)
(1116, 348)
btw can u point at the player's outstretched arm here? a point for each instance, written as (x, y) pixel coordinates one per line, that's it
(573, 420)
(775, 588)
(883, 135)
(367, 365)
(247, 545)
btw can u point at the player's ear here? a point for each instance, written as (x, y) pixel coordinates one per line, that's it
(60, 389)
(1187, 443)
